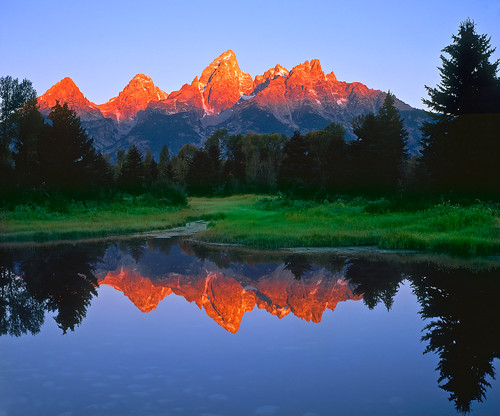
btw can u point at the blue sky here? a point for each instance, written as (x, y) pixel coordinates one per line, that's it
(101, 45)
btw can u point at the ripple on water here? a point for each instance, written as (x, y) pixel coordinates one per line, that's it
(218, 396)
(266, 410)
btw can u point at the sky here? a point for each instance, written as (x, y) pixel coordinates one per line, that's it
(101, 45)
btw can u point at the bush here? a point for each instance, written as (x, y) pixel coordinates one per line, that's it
(380, 206)
(283, 202)
(168, 193)
(447, 217)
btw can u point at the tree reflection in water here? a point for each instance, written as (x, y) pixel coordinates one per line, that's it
(58, 280)
(463, 318)
(458, 304)
(298, 264)
(464, 329)
(20, 313)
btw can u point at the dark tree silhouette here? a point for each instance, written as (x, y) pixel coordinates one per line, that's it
(235, 166)
(30, 126)
(165, 171)
(101, 173)
(379, 151)
(200, 177)
(132, 174)
(298, 264)
(296, 171)
(461, 306)
(66, 152)
(377, 281)
(150, 167)
(19, 312)
(329, 157)
(461, 144)
(63, 280)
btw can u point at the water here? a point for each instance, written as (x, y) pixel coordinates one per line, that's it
(168, 327)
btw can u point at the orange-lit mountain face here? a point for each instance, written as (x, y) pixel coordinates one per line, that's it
(66, 91)
(227, 298)
(279, 100)
(219, 88)
(139, 290)
(136, 96)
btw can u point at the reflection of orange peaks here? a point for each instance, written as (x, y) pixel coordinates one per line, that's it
(226, 299)
(306, 299)
(222, 297)
(138, 289)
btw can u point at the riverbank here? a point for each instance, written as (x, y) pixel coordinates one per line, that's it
(271, 222)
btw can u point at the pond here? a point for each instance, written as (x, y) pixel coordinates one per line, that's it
(166, 326)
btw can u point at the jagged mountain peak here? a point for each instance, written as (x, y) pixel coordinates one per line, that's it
(65, 87)
(309, 69)
(66, 91)
(141, 77)
(269, 75)
(223, 83)
(226, 61)
(66, 82)
(279, 100)
(136, 96)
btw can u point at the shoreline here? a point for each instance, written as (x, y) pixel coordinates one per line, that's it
(259, 222)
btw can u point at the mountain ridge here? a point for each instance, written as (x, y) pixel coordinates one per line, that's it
(304, 98)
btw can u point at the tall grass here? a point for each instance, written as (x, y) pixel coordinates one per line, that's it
(274, 222)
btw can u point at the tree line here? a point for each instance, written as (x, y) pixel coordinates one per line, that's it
(461, 146)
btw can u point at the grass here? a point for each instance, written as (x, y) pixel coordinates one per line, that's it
(274, 222)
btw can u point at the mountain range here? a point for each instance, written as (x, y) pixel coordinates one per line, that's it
(226, 298)
(278, 101)
(226, 284)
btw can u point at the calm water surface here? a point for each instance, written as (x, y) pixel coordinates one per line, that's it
(168, 327)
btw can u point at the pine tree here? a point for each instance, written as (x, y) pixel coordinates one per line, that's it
(66, 152)
(379, 151)
(296, 167)
(164, 164)
(150, 167)
(132, 174)
(461, 144)
(102, 174)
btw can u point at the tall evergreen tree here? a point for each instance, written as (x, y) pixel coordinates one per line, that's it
(329, 156)
(165, 170)
(150, 167)
(379, 151)
(461, 144)
(66, 152)
(102, 174)
(132, 175)
(200, 175)
(235, 166)
(296, 167)
(182, 162)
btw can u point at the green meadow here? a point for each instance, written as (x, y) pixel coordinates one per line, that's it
(272, 222)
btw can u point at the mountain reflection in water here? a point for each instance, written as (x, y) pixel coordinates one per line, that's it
(457, 303)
